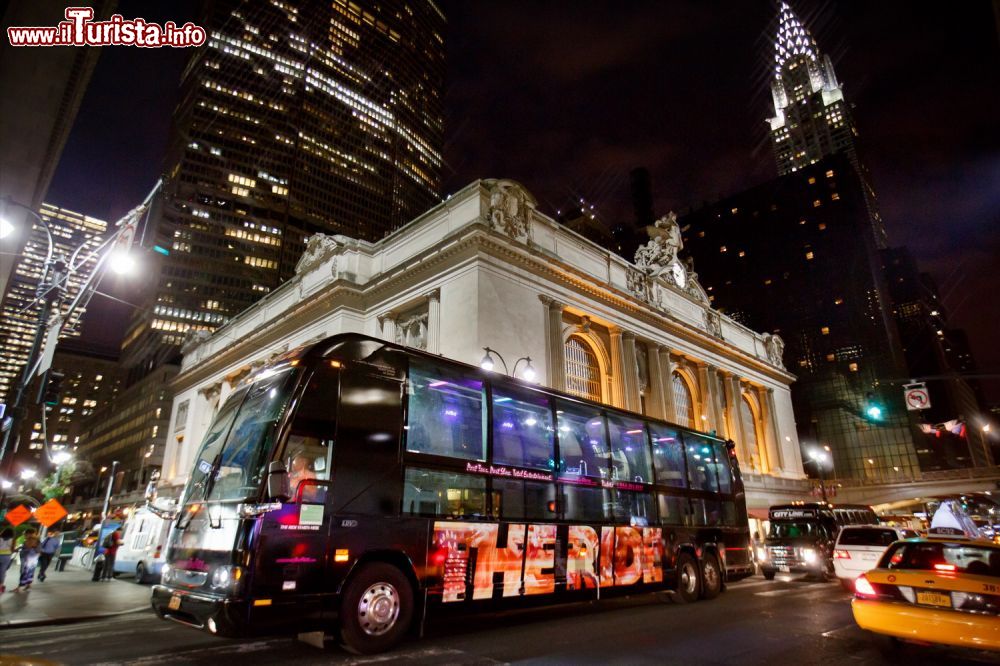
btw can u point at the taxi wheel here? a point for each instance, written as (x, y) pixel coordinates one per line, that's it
(376, 609)
(847, 584)
(891, 647)
(688, 579)
(711, 577)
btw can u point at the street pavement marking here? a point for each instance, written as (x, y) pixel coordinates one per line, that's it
(812, 587)
(841, 632)
(449, 655)
(35, 643)
(232, 648)
(740, 585)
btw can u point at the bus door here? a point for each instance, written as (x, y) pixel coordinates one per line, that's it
(292, 550)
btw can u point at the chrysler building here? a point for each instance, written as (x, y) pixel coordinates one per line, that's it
(811, 117)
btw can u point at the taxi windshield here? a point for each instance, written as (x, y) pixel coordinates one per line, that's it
(979, 560)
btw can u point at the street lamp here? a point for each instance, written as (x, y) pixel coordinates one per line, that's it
(818, 457)
(52, 315)
(529, 374)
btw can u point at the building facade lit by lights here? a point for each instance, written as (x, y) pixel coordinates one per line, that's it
(295, 117)
(487, 269)
(19, 311)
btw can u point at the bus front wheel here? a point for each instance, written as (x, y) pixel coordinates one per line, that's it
(376, 609)
(688, 579)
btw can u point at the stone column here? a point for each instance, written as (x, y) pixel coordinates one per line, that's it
(704, 403)
(654, 403)
(715, 400)
(630, 373)
(772, 425)
(667, 382)
(434, 321)
(387, 321)
(770, 444)
(734, 402)
(555, 354)
(617, 388)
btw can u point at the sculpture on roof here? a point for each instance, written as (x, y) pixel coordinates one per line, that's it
(774, 347)
(658, 255)
(319, 248)
(509, 211)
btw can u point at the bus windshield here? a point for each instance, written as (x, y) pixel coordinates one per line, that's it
(233, 454)
(794, 530)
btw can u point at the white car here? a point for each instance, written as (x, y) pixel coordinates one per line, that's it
(859, 548)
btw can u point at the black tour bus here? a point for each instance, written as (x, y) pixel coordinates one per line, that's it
(801, 536)
(357, 485)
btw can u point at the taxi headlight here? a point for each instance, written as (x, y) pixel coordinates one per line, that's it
(809, 555)
(762, 554)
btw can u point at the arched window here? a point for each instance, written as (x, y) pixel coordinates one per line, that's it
(683, 402)
(749, 429)
(583, 372)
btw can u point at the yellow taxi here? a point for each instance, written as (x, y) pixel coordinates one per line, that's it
(936, 589)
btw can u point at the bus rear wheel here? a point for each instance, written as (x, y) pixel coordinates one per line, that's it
(376, 609)
(688, 579)
(711, 576)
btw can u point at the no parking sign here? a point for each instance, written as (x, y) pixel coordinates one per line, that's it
(916, 397)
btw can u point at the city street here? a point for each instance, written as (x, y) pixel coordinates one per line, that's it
(755, 622)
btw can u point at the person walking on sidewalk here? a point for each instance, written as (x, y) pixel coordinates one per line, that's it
(6, 555)
(111, 544)
(29, 559)
(49, 549)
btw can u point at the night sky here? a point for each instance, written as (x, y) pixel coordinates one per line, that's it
(567, 97)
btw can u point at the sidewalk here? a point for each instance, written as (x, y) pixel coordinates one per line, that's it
(68, 596)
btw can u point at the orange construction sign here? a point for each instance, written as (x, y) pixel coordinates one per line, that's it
(18, 515)
(50, 513)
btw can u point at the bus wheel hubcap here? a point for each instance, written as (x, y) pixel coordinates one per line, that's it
(378, 609)
(710, 574)
(688, 578)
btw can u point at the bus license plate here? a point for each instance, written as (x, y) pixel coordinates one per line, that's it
(175, 602)
(934, 599)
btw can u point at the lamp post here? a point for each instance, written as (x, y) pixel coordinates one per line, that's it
(487, 364)
(52, 316)
(107, 495)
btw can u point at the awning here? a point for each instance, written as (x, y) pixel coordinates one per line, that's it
(759, 514)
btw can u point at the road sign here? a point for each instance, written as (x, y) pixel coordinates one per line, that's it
(916, 397)
(50, 513)
(18, 515)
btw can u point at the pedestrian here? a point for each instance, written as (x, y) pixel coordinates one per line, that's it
(49, 548)
(29, 559)
(6, 555)
(111, 544)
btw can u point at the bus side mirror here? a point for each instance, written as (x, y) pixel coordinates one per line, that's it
(277, 481)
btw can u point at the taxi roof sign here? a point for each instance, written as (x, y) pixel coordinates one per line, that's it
(18, 515)
(50, 513)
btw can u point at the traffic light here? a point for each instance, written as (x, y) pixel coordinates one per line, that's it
(51, 387)
(873, 410)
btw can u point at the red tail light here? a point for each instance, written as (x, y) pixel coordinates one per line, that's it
(944, 567)
(156, 555)
(842, 554)
(863, 589)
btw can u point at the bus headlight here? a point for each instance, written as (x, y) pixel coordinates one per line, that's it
(809, 555)
(761, 554)
(226, 577)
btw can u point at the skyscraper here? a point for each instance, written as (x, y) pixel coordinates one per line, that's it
(19, 311)
(812, 119)
(295, 117)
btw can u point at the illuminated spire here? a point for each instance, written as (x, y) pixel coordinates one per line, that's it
(793, 40)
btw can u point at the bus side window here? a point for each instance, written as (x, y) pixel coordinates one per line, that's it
(308, 451)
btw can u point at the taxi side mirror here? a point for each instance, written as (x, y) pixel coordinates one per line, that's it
(277, 482)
